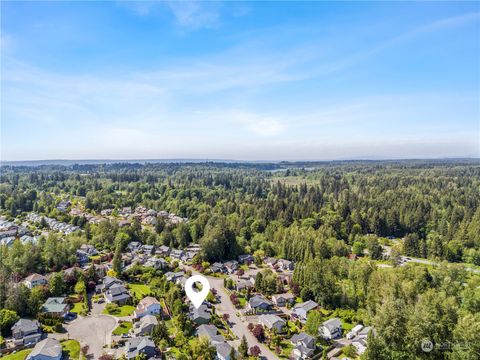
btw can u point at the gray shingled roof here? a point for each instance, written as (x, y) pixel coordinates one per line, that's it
(46, 348)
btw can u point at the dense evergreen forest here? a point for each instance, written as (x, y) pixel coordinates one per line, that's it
(294, 213)
(316, 214)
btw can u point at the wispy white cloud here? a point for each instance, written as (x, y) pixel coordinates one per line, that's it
(180, 109)
(261, 125)
(195, 14)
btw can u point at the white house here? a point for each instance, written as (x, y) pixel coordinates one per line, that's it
(352, 333)
(35, 280)
(147, 306)
(331, 329)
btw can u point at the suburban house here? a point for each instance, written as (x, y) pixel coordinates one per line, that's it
(134, 246)
(148, 249)
(360, 345)
(285, 264)
(145, 325)
(147, 306)
(282, 299)
(245, 259)
(301, 310)
(223, 348)
(89, 249)
(217, 267)
(26, 332)
(100, 270)
(258, 302)
(70, 273)
(210, 331)
(331, 329)
(48, 349)
(177, 254)
(363, 334)
(107, 283)
(201, 315)
(270, 261)
(82, 257)
(139, 345)
(35, 280)
(56, 306)
(272, 322)
(174, 276)
(163, 250)
(304, 346)
(157, 263)
(231, 266)
(117, 294)
(354, 332)
(63, 206)
(243, 285)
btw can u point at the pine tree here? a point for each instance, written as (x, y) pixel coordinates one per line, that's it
(117, 259)
(243, 348)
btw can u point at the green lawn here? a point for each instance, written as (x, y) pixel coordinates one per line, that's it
(78, 307)
(124, 310)
(72, 349)
(123, 328)
(139, 290)
(21, 355)
(287, 348)
(242, 301)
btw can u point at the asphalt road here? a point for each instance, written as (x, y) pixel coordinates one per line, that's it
(94, 330)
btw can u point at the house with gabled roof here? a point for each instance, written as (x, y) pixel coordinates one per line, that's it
(224, 350)
(163, 250)
(331, 329)
(48, 349)
(272, 322)
(117, 294)
(304, 346)
(147, 306)
(139, 345)
(258, 302)
(302, 310)
(201, 315)
(26, 332)
(177, 254)
(145, 325)
(245, 259)
(35, 280)
(56, 306)
(282, 299)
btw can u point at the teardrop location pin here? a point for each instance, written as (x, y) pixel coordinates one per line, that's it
(197, 297)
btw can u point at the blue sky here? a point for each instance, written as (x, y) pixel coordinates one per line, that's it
(239, 80)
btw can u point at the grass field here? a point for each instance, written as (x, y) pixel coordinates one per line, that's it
(21, 355)
(72, 349)
(242, 301)
(123, 328)
(139, 290)
(124, 310)
(78, 307)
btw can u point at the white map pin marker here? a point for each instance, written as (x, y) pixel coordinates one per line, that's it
(197, 297)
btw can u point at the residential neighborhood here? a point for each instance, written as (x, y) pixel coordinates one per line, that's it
(238, 308)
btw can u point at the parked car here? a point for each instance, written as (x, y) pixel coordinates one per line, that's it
(70, 316)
